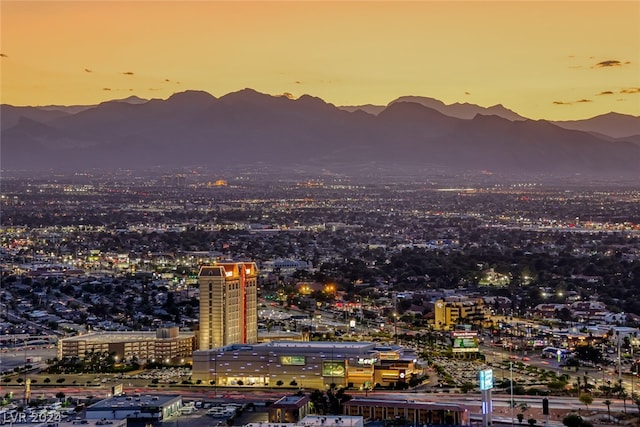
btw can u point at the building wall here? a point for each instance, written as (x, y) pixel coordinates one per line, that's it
(228, 304)
(310, 365)
(413, 412)
(450, 313)
(127, 345)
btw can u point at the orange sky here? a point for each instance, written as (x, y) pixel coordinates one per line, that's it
(539, 59)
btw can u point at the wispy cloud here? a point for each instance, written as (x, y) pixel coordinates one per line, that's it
(467, 93)
(129, 73)
(106, 88)
(562, 103)
(86, 70)
(605, 92)
(630, 90)
(583, 100)
(611, 63)
(3, 55)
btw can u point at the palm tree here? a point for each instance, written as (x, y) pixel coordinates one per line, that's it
(608, 403)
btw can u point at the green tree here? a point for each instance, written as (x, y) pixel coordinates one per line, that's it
(520, 417)
(587, 399)
(532, 421)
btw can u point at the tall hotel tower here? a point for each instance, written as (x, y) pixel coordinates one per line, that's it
(228, 304)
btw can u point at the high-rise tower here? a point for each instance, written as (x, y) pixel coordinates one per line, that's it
(228, 304)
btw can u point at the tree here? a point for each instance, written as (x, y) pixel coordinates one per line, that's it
(520, 417)
(60, 395)
(608, 403)
(532, 421)
(586, 399)
(573, 420)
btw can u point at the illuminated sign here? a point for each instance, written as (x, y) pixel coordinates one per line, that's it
(293, 360)
(333, 368)
(117, 389)
(363, 361)
(485, 378)
(464, 341)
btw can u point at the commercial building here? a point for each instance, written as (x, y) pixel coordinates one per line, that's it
(453, 311)
(289, 409)
(147, 408)
(411, 412)
(316, 421)
(228, 304)
(311, 364)
(166, 344)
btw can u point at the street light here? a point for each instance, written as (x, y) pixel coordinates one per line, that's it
(395, 326)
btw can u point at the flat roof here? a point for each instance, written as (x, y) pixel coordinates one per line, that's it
(123, 336)
(319, 344)
(131, 402)
(407, 403)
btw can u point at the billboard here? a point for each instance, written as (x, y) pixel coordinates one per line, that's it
(333, 368)
(485, 379)
(464, 341)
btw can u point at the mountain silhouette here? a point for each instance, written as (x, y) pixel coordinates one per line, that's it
(248, 128)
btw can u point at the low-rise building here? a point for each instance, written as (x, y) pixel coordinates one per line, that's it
(312, 364)
(412, 412)
(147, 408)
(166, 344)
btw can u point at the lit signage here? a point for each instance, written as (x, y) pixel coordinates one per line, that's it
(363, 361)
(293, 360)
(485, 378)
(333, 368)
(464, 341)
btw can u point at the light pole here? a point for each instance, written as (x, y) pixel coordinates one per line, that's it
(395, 326)
(511, 384)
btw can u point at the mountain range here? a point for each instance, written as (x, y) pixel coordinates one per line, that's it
(248, 128)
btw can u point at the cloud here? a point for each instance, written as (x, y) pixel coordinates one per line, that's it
(630, 90)
(167, 80)
(129, 73)
(106, 88)
(583, 100)
(611, 63)
(467, 93)
(288, 95)
(86, 70)
(298, 82)
(561, 103)
(606, 92)
(3, 55)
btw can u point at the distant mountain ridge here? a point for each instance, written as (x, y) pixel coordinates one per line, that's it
(615, 125)
(250, 128)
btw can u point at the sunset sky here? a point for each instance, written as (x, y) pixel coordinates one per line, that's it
(552, 60)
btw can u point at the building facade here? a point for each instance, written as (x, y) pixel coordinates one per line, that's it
(314, 364)
(453, 311)
(408, 412)
(228, 304)
(168, 345)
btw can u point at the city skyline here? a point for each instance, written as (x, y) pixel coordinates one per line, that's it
(543, 60)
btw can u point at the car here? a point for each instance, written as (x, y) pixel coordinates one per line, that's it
(526, 359)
